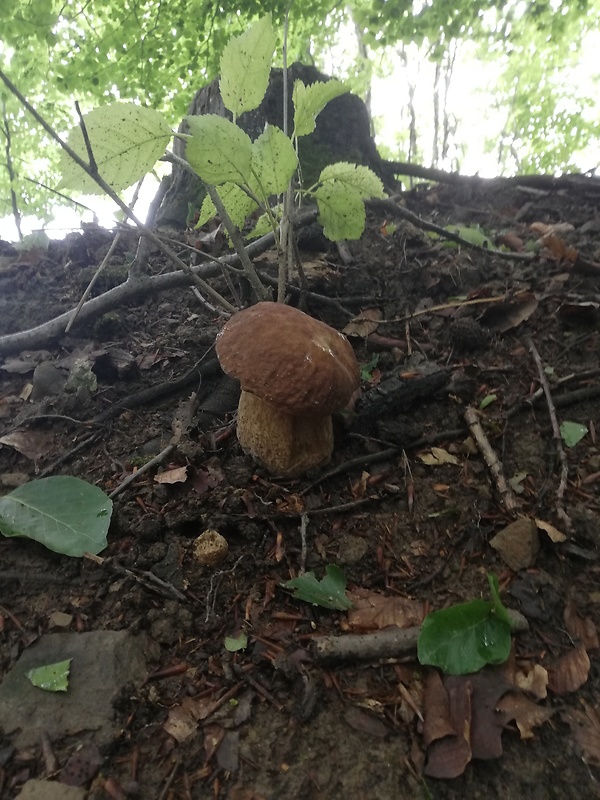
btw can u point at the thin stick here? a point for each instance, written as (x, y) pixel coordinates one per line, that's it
(507, 496)
(389, 643)
(147, 579)
(304, 550)
(158, 459)
(97, 274)
(564, 471)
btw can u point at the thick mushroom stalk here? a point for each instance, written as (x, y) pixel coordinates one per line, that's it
(294, 372)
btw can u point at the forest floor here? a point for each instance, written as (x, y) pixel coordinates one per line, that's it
(410, 525)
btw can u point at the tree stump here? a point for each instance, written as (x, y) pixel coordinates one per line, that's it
(342, 134)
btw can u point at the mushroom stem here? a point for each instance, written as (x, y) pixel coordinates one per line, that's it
(286, 444)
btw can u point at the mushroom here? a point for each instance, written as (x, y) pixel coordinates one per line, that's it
(294, 373)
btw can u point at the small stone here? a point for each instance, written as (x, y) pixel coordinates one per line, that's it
(210, 548)
(58, 619)
(518, 544)
(50, 790)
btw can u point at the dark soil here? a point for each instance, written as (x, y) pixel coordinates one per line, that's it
(270, 721)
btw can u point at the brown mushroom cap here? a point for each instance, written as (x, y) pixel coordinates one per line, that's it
(288, 359)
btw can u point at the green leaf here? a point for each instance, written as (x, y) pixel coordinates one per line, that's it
(472, 234)
(51, 677)
(64, 514)
(341, 211)
(466, 637)
(274, 160)
(246, 66)
(237, 203)
(329, 592)
(263, 224)
(488, 400)
(572, 433)
(309, 101)
(219, 152)
(235, 643)
(353, 176)
(126, 139)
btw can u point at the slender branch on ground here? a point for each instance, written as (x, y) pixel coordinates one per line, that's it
(388, 643)
(147, 579)
(158, 459)
(392, 209)
(507, 496)
(90, 286)
(564, 471)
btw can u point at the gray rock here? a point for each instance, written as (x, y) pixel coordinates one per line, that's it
(103, 662)
(50, 790)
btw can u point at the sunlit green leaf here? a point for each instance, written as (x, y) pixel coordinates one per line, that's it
(219, 151)
(51, 677)
(309, 101)
(246, 65)
(572, 433)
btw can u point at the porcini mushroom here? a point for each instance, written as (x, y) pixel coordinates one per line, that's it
(294, 373)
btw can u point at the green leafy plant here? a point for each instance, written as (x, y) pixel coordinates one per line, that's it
(465, 637)
(122, 141)
(329, 592)
(65, 514)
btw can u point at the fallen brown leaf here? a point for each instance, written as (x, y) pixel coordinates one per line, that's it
(570, 671)
(374, 611)
(585, 729)
(448, 757)
(581, 629)
(436, 710)
(526, 714)
(365, 323)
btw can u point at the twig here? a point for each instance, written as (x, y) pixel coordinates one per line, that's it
(304, 545)
(383, 455)
(147, 466)
(388, 643)
(93, 173)
(564, 471)
(95, 277)
(61, 459)
(507, 496)
(147, 579)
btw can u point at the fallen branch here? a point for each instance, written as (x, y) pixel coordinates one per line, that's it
(507, 496)
(388, 643)
(564, 467)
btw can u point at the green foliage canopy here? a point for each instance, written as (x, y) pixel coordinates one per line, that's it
(159, 54)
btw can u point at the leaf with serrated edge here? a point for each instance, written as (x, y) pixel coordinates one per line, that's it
(126, 139)
(309, 101)
(329, 592)
(65, 514)
(237, 204)
(361, 179)
(219, 152)
(341, 211)
(246, 66)
(274, 160)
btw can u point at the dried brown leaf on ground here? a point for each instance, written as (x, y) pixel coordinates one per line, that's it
(533, 679)
(526, 714)
(510, 314)
(570, 672)
(448, 757)
(581, 629)
(436, 710)
(365, 323)
(33, 445)
(374, 611)
(585, 730)
(176, 475)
